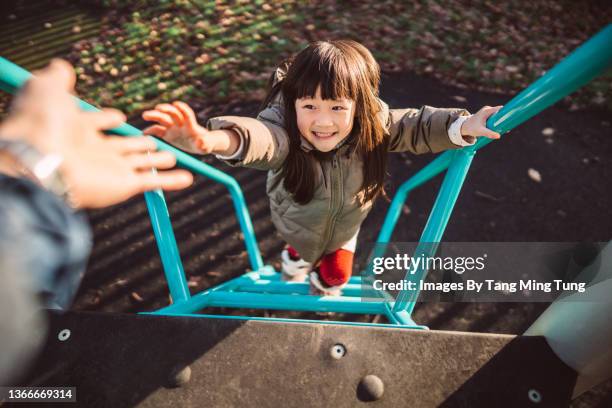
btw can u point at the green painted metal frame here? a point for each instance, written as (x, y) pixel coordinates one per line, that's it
(263, 288)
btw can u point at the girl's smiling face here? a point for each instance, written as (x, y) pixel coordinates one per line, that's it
(324, 123)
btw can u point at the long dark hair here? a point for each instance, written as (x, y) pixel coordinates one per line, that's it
(342, 69)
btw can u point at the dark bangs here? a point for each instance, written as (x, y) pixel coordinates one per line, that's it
(323, 67)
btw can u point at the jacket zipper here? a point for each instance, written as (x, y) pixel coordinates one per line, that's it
(336, 180)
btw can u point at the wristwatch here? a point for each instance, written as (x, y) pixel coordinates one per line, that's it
(42, 168)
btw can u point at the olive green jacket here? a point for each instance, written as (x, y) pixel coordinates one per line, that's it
(334, 215)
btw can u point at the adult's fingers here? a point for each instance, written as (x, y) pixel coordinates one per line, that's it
(125, 145)
(108, 118)
(47, 90)
(166, 180)
(146, 161)
(156, 116)
(59, 74)
(155, 130)
(188, 114)
(171, 111)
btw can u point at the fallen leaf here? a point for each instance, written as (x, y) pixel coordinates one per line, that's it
(534, 175)
(136, 297)
(512, 69)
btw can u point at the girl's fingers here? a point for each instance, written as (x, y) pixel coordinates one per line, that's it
(155, 130)
(489, 133)
(166, 180)
(106, 119)
(125, 145)
(156, 116)
(146, 161)
(485, 113)
(490, 110)
(188, 114)
(172, 111)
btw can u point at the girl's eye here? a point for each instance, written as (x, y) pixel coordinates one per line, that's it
(308, 107)
(339, 108)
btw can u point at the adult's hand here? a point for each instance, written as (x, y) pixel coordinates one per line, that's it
(99, 170)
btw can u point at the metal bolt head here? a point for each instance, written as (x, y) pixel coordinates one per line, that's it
(337, 351)
(179, 376)
(534, 396)
(63, 335)
(370, 388)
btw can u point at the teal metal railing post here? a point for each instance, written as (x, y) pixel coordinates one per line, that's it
(435, 167)
(436, 223)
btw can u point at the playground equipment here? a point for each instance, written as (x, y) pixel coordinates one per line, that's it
(262, 289)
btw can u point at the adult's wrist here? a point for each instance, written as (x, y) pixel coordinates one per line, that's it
(8, 165)
(22, 128)
(21, 159)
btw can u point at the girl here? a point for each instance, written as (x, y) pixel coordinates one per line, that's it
(323, 136)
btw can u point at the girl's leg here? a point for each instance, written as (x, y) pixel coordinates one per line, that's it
(334, 269)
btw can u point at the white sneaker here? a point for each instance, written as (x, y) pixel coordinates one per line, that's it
(294, 271)
(318, 288)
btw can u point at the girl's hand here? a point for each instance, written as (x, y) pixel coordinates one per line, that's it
(178, 126)
(476, 125)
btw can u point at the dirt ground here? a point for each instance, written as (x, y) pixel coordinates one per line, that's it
(499, 202)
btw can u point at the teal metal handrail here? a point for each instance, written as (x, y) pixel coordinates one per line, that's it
(589, 60)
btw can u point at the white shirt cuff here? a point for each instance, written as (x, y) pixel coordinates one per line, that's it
(236, 154)
(454, 132)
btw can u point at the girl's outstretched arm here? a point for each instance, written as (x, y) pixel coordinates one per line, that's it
(177, 125)
(260, 143)
(432, 130)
